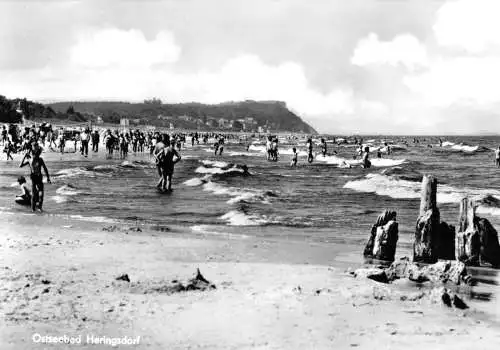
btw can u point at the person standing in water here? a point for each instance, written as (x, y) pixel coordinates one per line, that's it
(294, 157)
(497, 157)
(85, 142)
(158, 155)
(310, 156)
(167, 165)
(36, 166)
(323, 147)
(366, 161)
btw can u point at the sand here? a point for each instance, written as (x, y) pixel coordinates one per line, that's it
(57, 277)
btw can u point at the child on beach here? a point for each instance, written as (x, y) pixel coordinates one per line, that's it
(25, 197)
(36, 166)
(294, 157)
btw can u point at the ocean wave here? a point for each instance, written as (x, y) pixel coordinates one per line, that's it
(261, 149)
(99, 219)
(465, 148)
(68, 190)
(346, 163)
(238, 195)
(390, 186)
(105, 167)
(78, 172)
(136, 164)
(214, 163)
(207, 230)
(196, 181)
(238, 218)
(62, 199)
(229, 169)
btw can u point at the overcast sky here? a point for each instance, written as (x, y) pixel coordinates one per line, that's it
(345, 66)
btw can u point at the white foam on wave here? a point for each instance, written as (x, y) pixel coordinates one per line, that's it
(261, 149)
(68, 191)
(100, 219)
(206, 229)
(217, 164)
(59, 199)
(383, 185)
(105, 167)
(346, 163)
(197, 181)
(212, 171)
(73, 172)
(241, 154)
(465, 148)
(447, 143)
(237, 218)
(237, 194)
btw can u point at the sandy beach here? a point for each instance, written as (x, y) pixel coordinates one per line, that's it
(58, 277)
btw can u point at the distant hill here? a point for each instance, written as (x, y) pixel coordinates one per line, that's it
(12, 111)
(267, 114)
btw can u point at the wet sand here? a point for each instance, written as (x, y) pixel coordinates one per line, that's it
(58, 277)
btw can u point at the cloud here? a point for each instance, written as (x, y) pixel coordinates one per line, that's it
(464, 80)
(469, 76)
(470, 25)
(404, 49)
(126, 49)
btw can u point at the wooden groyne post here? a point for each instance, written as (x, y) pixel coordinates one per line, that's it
(433, 239)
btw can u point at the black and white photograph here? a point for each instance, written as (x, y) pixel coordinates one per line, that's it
(250, 174)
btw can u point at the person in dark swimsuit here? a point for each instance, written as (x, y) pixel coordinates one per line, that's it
(167, 165)
(36, 166)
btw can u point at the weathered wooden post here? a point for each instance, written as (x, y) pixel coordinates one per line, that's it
(383, 238)
(476, 242)
(433, 239)
(425, 246)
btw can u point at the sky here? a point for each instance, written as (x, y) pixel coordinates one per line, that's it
(357, 66)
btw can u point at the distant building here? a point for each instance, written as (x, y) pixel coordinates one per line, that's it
(223, 122)
(124, 122)
(186, 118)
(165, 117)
(211, 123)
(99, 120)
(260, 129)
(171, 126)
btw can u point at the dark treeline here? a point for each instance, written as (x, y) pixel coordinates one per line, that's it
(273, 114)
(12, 111)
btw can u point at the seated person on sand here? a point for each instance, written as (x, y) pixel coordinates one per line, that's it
(25, 197)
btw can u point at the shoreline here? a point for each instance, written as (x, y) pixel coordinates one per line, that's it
(61, 280)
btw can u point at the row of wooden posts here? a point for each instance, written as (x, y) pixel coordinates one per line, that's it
(475, 243)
